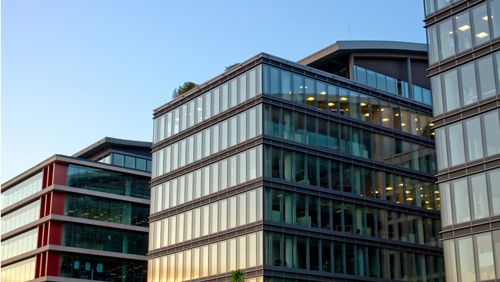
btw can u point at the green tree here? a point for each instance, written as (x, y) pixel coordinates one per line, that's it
(188, 85)
(231, 66)
(237, 276)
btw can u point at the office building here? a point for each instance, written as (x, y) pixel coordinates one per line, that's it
(321, 170)
(83, 216)
(464, 63)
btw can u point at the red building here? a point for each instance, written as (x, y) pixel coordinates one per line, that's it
(83, 216)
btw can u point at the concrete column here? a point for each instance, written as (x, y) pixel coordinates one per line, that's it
(287, 166)
(289, 251)
(361, 261)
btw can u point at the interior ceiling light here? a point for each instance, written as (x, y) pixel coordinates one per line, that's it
(397, 115)
(310, 99)
(431, 124)
(323, 93)
(199, 109)
(433, 133)
(367, 115)
(482, 34)
(388, 188)
(331, 104)
(385, 119)
(403, 124)
(343, 99)
(363, 104)
(485, 18)
(382, 109)
(464, 27)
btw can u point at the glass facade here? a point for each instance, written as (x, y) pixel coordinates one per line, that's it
(105, 239)
(194, 202)
(126, 161)
(107, 181)
(22, 190)
(344, 138)
(476, 257)
(218, 176)
(208, 260)
(477, 82)
(217, 138)
(344, 102)
(470, 198)
(292, 251)
(391, 85)
(308, 169)
(21, 217)
(468, 29)
(107, 210)
(19, 271)
(218, 100)
(19, 244)
(335, 215)
(468, 140)
(206, 220)
(102, 268)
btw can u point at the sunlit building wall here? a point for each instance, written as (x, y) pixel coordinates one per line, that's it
(307, 171)
(83, 216)
(464, 64)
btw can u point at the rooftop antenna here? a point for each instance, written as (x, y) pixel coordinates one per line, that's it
(350, 30)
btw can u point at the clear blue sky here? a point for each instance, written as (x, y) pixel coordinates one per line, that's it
(76, 71)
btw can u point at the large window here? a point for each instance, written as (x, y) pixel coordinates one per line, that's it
(473, 258)
(22, 190)
(299, 252)
(102, 268)
(212, 103)
(219, 137)
(19, 271)
(105, 239)
(209, 179)
(283, 123)
(107, 181)
(326, 214)
(468, 140)
(20, 244)
(352, 104)
(348, 178)
(476, 191)
(472, 27)
(209, 260)
(107, 210)
(21, 217)
(219, 216)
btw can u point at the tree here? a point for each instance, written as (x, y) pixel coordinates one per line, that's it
(237, 276)
(231, 66)
(188, 85)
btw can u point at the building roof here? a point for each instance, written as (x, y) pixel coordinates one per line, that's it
(342, 48)
(108, 142)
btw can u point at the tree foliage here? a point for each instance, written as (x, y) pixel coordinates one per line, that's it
(237, 276)
(231, 66)
(188, 85)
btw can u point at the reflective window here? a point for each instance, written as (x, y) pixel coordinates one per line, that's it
(485, 76)
(104, 209)
(22, 190)
(450, 90)
(468, 83)
(480, 24)
(201, 108)
(19, 244)
(217, 258)
(455, 144)
(463, 31)
(101, 268)
(446, 41)
(20, 217)
(473, 139)
(20, 271)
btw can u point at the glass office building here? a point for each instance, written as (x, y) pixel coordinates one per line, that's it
(79, 217)
(464, 64)
(321, 170)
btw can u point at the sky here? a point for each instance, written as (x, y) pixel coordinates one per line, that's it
(74, 72)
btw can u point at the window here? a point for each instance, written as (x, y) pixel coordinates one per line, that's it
(480, 24)
(455, 143)
(446, 40)
(473, 139)
(485, 76)
(468, 83)
(462, 30)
